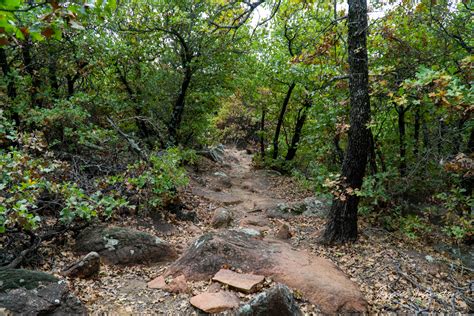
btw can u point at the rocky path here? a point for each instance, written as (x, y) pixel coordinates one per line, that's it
(251, 250)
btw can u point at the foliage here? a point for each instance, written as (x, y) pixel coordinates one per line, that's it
(158, 180)
(25, 185)
(89, 88)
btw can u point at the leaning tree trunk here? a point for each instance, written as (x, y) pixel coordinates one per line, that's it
(342, 222)
(302, 114)
(178, 107)
(280, 120)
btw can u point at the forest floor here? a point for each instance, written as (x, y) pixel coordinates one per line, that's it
(395, 274)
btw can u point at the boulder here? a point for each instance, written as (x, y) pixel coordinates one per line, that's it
(222, 218)
(318, 279)
(215, 302)
(117, 245)
(36, 293)
(277, 301)
(310, 206)
(87, 267)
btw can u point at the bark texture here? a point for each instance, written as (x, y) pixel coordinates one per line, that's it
(342, 222)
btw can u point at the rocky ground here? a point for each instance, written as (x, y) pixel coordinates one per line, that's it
(391, 273)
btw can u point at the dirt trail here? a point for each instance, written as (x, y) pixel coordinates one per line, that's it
(237, 186)
(246, 192)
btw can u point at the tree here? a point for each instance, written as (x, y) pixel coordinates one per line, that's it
(342, 223)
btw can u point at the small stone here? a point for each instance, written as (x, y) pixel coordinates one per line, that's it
(283, 232)
(214, 287)
(87, 267)
(215, 302)
(175, 285)
(246, 283)
(222, 218)
(157, 283)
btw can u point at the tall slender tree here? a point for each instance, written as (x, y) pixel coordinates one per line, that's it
(342, 223)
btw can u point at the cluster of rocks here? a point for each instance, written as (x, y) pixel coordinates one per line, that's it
(277, 300)
(317, 279)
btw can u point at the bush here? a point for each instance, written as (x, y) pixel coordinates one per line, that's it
(154, 182)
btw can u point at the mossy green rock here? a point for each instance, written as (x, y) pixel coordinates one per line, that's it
(20, 278)
(119, 245)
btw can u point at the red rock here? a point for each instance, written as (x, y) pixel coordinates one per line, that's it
(243, 282)
(175, 285)
(157, 283)
(318, 279)
(215, 302)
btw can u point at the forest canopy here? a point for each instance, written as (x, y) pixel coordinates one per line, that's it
(105, 104)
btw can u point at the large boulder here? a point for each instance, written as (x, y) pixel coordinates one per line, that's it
(318, 279)
(28, 292)
(277, 301)
(117, 245)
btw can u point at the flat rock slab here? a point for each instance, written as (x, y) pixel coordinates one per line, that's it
(215, 302)
(247, 283)
(318, 279)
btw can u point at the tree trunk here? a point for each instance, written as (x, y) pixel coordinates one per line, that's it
(302, 114)
(372, 156)
(11, 89)
(470, 142)
(30, 69)
(262, 134)
(416, 135)
(141, 125)
(401, 133)
(280, 119)
(339, 153)
(178, 107)
(53, 78)
(342, 222)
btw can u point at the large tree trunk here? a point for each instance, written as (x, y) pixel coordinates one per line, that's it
(302, 114)
(280, 119)
(178, 108)
(342, 222)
